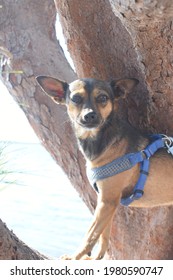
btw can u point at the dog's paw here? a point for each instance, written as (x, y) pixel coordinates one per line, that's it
(86, 257)
(66, 257)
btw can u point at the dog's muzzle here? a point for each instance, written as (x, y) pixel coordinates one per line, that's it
(90, 120)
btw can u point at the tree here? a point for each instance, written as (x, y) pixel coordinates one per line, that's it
(106, 39)
(11, 248)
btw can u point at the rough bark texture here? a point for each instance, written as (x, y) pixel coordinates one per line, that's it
(106, 39)
(150, 25)
(11, 248)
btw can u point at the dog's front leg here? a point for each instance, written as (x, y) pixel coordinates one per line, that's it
(102, 222)
(104, 241)
(100, 227)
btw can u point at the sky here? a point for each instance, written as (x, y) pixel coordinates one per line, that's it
(13, 123)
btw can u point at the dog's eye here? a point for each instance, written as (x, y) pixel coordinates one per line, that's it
(102, 98)
(76, 99)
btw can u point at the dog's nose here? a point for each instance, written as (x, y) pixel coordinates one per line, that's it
(90, 117)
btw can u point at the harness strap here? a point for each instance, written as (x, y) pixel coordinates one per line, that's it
(116, 166)
(127, 162)
(138, 190)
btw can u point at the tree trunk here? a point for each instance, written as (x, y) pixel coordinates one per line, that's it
(110, 39)
(11, 248)
(106, 39)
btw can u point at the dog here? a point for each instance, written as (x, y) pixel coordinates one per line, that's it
(103, 136)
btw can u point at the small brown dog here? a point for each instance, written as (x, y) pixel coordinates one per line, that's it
(103, 137)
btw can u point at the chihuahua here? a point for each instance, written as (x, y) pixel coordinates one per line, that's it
(104, 136)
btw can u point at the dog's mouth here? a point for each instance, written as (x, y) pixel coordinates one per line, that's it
(89, 126)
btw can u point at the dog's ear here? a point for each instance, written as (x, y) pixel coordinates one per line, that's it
(54, 88)
(123, 86)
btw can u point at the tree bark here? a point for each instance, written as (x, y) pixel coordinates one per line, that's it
(106, 39)
(11, 248)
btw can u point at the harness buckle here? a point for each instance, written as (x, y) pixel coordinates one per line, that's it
(170, 150)
(144, 154)
(137, 194)
(169, 144)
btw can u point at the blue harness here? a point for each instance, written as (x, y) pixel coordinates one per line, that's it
(128, 161)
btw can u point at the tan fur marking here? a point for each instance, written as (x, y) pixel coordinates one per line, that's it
(98, 91)
(79, 91)
(76, 85)
(105, 111)
(82, 133)
(72, 112)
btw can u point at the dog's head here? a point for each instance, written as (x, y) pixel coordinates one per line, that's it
(89, 102)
